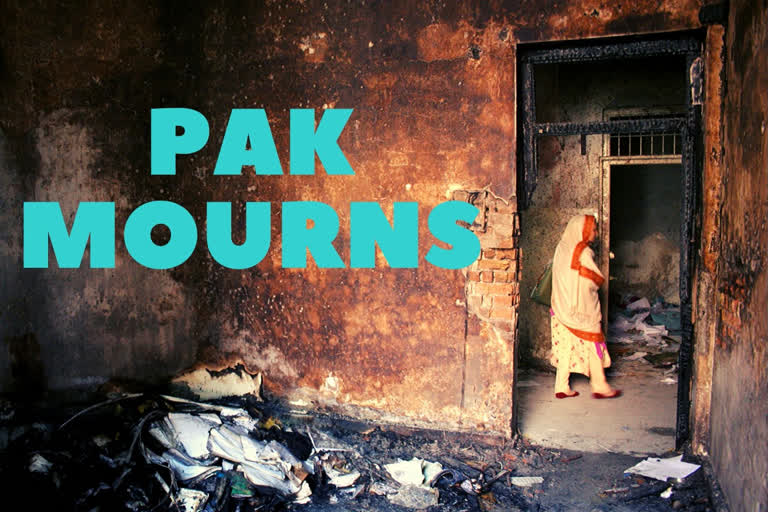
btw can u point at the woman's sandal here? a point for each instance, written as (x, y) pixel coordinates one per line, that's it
(616, 393)
(565, 395)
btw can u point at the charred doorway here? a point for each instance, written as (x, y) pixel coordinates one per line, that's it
(593, 117)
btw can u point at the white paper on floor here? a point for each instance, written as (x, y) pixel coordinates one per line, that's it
(639, 304)
(651, 330)
(661, 469)
(636, 356)
(407, 472)
(340, 479)
(418, 472)
(526, 481)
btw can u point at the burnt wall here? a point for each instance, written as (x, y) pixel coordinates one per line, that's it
(740, 362)
(77, 83)
(433, 88)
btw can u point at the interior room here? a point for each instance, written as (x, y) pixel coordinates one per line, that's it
(282, 255)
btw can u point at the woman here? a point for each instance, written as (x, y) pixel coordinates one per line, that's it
(578, 344)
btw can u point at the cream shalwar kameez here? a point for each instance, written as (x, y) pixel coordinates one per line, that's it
(578, 344)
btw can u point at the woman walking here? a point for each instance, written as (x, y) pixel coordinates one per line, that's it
(578, 343)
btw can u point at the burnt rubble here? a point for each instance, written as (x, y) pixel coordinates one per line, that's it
(146, 452)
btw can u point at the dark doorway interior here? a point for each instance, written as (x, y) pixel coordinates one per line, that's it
(645, 232)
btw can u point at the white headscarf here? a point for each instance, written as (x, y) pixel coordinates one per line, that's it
(576, 279)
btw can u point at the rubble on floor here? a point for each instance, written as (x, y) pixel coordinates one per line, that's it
(663, 469)
(144, 452)
(645, 334)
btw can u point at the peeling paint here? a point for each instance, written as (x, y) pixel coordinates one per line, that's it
(205, 384)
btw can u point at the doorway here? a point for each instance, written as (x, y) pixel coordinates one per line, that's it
(609, 128)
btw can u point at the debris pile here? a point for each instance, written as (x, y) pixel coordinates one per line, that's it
(639, 322)
(661, 484)
(146, 452)
(142, 452)
(646, 333)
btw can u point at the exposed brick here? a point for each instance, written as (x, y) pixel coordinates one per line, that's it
(474, 326)
(501, 221)
(488, 253)
(502, 301)
(493, 264)
(507, 243)
(502, 277)
(474, 301)
(473, 275)
(486, 276)
(506, 254)
(505, 313)
(495, 288)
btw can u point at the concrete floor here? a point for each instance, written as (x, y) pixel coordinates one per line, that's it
(641, 422)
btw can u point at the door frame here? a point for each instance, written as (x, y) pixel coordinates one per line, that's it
(604, 219)
(688, 125)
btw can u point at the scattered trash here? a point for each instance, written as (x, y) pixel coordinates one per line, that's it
(662, 469)
(636, 356)
(635, 329)
(39, 464)
(192, 432)
(449, 477)
(382, 489)
(646, 343)
(639, 304)
(239, 486)
(663, 359)
(414, 472)
(470, 487)
(431, 470)
(160, 452)
(668, 318)
(191, 500)
(339, 479)
(415, 496)
(407, 472)
(526, 481)
(615, 490)
(667, 494)
(651, 330)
